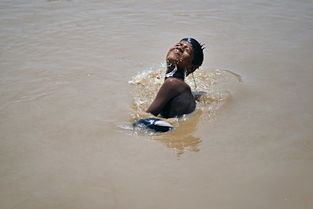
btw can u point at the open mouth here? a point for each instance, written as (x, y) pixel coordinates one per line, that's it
(178, 51)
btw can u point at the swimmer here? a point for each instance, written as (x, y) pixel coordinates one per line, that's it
(175, 98)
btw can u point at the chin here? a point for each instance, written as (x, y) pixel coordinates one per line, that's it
(173, 59)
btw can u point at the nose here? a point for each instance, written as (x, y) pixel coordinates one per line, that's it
(180, 46)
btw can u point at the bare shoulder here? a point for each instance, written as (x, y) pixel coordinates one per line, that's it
(173, 87)
(173, 83)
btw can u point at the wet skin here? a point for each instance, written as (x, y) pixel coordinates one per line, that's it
(174, 98)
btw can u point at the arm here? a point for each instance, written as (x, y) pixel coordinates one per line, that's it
(168, 90)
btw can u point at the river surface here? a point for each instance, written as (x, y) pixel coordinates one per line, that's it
(74, 74)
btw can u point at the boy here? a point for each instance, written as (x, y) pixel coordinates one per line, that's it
(174, 98)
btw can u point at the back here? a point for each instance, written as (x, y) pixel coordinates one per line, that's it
(174, 99)
(181, 104)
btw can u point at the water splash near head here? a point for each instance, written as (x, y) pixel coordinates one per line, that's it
(218, 86)
(194, 81)
(171, 73)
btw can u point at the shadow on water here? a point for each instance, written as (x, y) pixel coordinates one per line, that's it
(182, 139)
(215, 87)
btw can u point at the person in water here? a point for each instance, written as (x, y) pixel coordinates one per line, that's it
(175, 98)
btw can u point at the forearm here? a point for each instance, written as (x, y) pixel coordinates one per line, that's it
(167, 91)
(154, 109)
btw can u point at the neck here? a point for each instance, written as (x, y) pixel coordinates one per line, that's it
(175, 73)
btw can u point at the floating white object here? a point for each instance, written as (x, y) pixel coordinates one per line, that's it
(153, 124)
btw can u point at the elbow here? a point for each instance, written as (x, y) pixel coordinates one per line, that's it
(155, 113)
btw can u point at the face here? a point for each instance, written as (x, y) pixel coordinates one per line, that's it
(181, 55)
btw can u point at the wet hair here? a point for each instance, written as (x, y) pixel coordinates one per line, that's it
(197, 51)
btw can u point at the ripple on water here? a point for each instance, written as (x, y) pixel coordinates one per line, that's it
(217, 84)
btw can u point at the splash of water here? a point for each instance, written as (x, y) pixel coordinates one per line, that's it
(215, 87)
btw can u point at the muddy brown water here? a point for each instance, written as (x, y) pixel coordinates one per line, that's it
(68, 90)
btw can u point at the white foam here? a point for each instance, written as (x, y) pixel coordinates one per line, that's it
(162, 123)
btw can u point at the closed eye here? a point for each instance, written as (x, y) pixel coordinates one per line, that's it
(188, 50)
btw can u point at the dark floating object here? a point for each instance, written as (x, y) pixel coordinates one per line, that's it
(153, 124)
